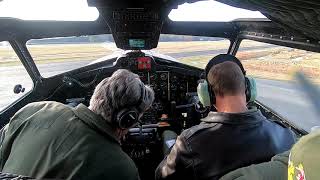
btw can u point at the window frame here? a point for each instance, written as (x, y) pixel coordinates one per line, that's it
(27, 66)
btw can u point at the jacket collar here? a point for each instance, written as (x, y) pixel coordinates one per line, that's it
(95, 122)
(248, 117)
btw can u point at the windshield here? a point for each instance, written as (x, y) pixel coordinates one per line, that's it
(57, 55)
(273, 66)
(192, 50)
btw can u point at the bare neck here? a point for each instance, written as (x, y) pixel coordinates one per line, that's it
(231, 104)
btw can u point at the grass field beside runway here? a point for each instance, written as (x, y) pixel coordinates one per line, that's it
(278, 64)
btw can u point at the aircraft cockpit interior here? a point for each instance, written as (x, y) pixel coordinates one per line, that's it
(134, 30)
(176, 106)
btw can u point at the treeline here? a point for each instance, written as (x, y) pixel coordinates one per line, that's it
(108, 38)
(74, 40)
(168, 38)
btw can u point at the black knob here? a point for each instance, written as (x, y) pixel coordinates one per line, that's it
(18, 89)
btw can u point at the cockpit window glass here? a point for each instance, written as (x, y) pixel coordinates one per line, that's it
(62, 10)
(57, 55)
(273, 68)
(15, 81)
(191, 50)
(211, 11)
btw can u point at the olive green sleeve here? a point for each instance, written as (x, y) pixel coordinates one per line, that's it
(2, 133)
(276, 169)
(7, 134)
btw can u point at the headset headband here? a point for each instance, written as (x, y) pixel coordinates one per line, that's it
(221, 58)
(137, 104)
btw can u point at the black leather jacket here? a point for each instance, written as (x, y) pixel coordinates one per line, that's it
(224, 142)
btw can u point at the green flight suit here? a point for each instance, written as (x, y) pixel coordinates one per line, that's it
(52, 140)
(276, 169)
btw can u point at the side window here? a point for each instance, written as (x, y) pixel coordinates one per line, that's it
(273, 67)
(15, 82)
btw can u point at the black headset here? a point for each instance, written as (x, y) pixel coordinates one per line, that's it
(128, 116)
(221, 59)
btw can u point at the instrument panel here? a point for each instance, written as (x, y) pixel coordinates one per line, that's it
(170, 85)
(167, 86)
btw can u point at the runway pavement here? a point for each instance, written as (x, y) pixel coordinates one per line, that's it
(289, 100)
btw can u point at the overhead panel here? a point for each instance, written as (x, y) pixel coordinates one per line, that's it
(134, 24)
(134, 28)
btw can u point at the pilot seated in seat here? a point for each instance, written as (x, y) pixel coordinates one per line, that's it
(231, 138)
(52, 140)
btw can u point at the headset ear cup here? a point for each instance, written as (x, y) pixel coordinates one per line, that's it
(203, 93)
(251, 89)
(127, 118)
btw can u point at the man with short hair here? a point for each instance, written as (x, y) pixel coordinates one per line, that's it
(53, 140)
(230, 138)
(228, 84)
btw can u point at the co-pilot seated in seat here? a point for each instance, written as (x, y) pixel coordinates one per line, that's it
(52, 140)
(230, 138)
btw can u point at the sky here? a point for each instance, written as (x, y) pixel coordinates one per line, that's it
(78, 10)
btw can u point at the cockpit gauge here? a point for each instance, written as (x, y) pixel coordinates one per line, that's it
(163, 76)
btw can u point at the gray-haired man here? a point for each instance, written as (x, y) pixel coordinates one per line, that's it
(52, 140)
